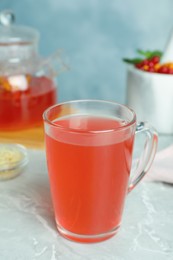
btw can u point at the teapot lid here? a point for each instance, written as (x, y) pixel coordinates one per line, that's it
(14, 34)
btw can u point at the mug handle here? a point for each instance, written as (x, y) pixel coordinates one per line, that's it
(145, 161)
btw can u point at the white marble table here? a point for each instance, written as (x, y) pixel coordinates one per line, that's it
(28, 232)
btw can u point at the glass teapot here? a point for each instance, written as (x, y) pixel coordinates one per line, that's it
(27, 85)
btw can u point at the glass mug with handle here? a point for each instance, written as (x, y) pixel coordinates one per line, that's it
(89, 147)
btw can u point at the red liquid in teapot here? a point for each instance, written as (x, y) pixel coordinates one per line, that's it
(23, 100)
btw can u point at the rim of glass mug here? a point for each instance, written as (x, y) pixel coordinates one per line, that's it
(121, 127)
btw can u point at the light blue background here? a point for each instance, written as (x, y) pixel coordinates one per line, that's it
(95, 35)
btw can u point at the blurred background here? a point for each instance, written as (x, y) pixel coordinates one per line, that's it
(95, 36)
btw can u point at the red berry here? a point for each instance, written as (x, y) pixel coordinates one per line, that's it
(163, 70)
(151, 69)
(155, 59)
(145, 62)
(170, 71)
(151, 64)
(138, 65)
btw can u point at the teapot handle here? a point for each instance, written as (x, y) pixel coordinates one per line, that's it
(56, 61)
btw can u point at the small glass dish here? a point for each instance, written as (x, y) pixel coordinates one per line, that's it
(13, 159)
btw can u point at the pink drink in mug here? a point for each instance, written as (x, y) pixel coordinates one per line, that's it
(89, 153)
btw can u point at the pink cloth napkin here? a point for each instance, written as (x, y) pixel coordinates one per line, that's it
(162, 167)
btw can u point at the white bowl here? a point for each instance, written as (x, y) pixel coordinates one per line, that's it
(150, 95)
